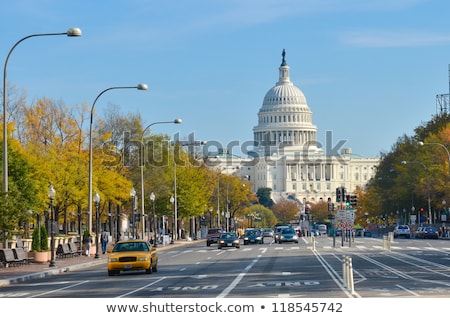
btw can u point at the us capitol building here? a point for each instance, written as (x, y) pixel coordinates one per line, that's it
(287, 157)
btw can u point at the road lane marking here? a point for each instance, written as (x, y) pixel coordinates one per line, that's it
(407, 290)
(141, 288)
(236, 281)
(59, 289)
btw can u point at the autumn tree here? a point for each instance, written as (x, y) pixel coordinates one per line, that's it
(286, 211)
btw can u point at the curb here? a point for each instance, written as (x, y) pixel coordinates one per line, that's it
(55, 271)
(68, 268)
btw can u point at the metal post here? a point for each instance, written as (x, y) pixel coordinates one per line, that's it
(97, 223)
(51, 196)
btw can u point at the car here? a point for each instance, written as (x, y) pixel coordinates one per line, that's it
(315, 232)
(427, 232)
(132, 255)
(213, 236)
(367, 233)
(253, 236)
(359, 232)
(267, 232)
(287, 235)
(278, 230)
(228, 239)
(402, 231)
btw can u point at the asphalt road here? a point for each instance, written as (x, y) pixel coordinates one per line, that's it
(406, 268)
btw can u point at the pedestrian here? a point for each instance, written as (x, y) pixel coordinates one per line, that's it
(104, 240)
(87, 244)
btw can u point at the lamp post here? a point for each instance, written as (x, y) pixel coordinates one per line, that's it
(51, 195)
(175, 121)
(155, 221)
(139, 87)
(174, 221)
(428, 188)
(97, 222)
(72, 32)
(421, 143)
(133, 201)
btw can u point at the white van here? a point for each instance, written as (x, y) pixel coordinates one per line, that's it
(322, 228)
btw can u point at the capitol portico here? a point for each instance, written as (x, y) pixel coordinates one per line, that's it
(287, 156)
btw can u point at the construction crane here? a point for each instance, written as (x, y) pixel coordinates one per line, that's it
(443, 100)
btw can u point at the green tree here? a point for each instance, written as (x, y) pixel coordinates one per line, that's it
(264, 197)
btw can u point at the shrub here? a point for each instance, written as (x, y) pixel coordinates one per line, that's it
(40, 239)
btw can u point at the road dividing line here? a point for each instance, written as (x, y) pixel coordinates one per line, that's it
(141, 288)
(236, 281)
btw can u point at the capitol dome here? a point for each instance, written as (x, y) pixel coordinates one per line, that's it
(285, 116)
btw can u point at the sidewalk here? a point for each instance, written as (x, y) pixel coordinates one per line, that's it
(15, 274)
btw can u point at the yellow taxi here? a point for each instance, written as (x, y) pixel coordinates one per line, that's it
(132, 255)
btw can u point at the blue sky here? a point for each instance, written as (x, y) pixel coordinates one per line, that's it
(370, 70)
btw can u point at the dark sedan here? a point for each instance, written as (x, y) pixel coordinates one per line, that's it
(253, 236)
(427, 232)
(228, 239)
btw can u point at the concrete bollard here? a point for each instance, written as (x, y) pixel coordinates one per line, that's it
(386, 243)
(347, 273)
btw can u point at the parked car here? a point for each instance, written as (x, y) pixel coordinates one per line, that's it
(132, 255)
(213, 236)
(427, 232)
(402, 231)
(253, 236)
(287, 235)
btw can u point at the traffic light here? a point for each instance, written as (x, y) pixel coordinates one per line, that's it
(353, 200)
(347, 200)
(338, 194)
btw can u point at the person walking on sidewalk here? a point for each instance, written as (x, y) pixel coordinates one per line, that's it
(104, 240)
(87, 243)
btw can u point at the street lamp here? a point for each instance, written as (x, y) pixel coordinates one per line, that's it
(176, 121)
(97, 222)
(139, 87)
(71, 32)
(421, 143)
(51, 195)
(133, 196)
(428, 189)
(152, 198)
(174, 221)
